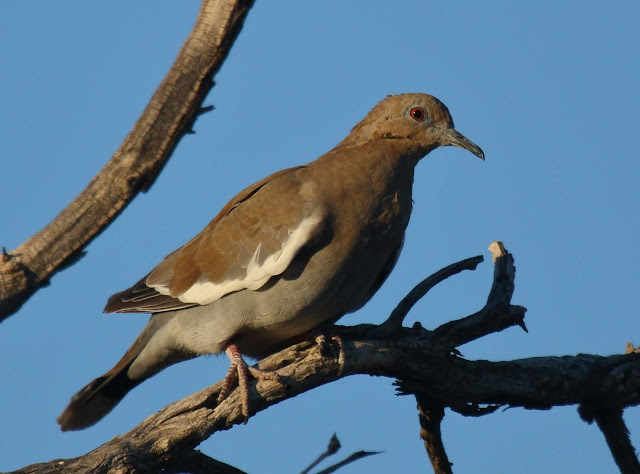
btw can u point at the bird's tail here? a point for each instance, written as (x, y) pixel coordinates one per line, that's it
(98, 398)
(152, 351)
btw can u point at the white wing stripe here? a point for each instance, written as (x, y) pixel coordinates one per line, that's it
(205, 292)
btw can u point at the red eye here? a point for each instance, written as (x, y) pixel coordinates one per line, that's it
(418, 114)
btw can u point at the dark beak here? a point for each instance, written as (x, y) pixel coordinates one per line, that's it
(454, 138)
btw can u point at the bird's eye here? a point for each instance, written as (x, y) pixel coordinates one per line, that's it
(418, 114)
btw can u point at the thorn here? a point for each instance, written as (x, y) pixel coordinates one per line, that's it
(523, 326)
(190, 132)
(5, 256)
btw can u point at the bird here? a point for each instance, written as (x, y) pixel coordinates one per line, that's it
(289, 254)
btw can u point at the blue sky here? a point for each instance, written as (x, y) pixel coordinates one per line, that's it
(549, 90)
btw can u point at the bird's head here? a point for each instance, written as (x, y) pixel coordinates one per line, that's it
(421, 121)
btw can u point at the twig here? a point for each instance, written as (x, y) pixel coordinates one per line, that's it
(494, 318)
(354, 457)
(402, 309)
(332, 448)
(497, 314)
(430, 415)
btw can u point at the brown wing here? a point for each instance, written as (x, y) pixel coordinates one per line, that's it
(255, 236)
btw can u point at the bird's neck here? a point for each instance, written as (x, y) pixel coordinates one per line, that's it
(376, 168)
(381, 158)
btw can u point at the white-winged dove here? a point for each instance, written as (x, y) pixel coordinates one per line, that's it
(298, 249)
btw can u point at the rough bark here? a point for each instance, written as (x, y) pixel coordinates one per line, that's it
(537, 383)
(430, 415)
(424, 363)
(170, 114)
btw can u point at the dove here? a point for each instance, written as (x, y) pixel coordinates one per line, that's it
(289, 254)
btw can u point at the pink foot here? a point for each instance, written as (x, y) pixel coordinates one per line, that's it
(240, 370)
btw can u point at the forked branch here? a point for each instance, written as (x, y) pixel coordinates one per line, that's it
(424, 363)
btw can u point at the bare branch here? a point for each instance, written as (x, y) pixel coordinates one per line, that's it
(504, 275)
(430, 415)
(498, 313)
(424, 364)
(332, 448)
(170, 114)
(421, 289)
(537, 383)
(616, 433)
(353, 457)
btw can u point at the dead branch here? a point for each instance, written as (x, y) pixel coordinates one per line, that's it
(397, 316)
(424, 363)
(616, 433)
(351, 458)
(333, 447)
(430, 415)
(170, 114)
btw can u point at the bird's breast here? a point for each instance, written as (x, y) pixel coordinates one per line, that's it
(390, 216)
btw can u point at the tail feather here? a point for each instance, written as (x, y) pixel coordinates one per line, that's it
(100, 396)
(97, 399)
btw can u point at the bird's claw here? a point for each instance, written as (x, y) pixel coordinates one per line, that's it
(239, 370)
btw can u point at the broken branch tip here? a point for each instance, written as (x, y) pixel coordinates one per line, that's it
(497, 250)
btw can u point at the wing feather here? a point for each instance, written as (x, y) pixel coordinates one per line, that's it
(255, 237)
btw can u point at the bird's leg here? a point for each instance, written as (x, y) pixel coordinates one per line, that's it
(321, 340)
(240, 370)
(229, 380)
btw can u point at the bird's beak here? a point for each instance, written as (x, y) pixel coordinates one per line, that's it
(454, 138)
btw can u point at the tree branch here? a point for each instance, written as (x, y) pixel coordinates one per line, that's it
(423, 364)
(351, 458)
(397, 316)
(170, 114)
(616, 433)
(332, 448)
(430, 415)
(536, 383)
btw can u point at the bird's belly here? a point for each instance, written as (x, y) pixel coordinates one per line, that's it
(291, 307)
(316, 288)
